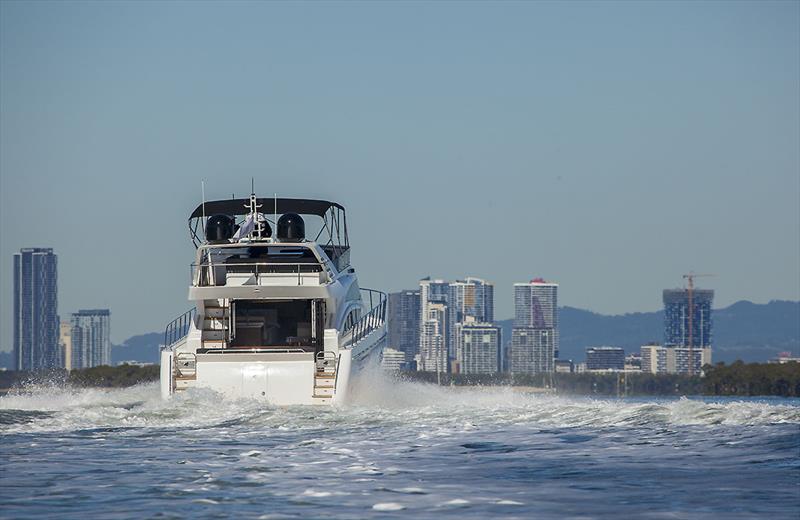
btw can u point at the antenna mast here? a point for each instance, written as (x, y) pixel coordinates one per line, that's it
(203, 191)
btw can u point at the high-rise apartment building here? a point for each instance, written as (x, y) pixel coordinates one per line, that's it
(434, 292)
(532, 350)
(677, 325)
(36, 344)
(471, 299)
(91, 338)
(433, 347)
(536, 306)
(477, 347)
(404, 328)
(534, 338)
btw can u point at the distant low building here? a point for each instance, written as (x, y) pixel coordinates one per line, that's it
(654, 359)
(605, 358)
(784, 357)
(393, 359)
(633, 362)
(134, 363)
(564, 366)
(658, 359)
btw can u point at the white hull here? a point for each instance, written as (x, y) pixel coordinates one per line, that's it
(281, 378)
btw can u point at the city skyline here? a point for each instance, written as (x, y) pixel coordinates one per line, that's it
(587, 139)
(463, 280)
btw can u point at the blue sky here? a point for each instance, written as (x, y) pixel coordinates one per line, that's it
(610, 147)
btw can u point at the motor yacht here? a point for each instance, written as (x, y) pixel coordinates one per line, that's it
(276, 316)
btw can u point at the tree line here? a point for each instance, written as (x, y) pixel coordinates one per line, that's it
(739, 378)
(98, 377)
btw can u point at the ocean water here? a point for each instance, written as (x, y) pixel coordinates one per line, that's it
(403, 450)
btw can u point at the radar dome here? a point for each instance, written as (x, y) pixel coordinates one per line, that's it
(291, 228)
(219, 228)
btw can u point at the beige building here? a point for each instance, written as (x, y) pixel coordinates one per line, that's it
(657, 359)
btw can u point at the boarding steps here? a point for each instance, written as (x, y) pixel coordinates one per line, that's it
(214, 334)
(325, 377)
(184, 370)
(216, 322)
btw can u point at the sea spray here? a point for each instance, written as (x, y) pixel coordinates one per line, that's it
(399, 448)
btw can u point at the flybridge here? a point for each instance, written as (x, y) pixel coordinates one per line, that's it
(219, 221)
(257, 263)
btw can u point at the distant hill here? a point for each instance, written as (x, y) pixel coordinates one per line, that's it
(745, 330)
(143, 348)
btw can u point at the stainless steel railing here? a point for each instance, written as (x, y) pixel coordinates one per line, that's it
(206, 273)
(372, 320)
(178, 328)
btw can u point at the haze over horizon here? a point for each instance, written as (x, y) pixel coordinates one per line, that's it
(610, 147)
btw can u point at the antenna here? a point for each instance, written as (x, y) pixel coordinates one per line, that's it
(275, 214)
(258, 226)
(203, 191)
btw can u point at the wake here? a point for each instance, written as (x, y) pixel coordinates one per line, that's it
(379, 399)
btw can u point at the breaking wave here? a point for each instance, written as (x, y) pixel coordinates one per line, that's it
(379, 399)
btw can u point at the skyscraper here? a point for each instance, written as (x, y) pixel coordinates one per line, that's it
(91, 338)
(404, 328)
(532, 350)
(676, 318)
(471, 298)
(432, 347)
(536, 306)
(434, 292)
(36, 342)
(534, 338)
(477, 347)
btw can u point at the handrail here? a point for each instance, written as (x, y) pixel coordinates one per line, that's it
(372, 320)
(240, 350)
(207, 281)
(178, 328)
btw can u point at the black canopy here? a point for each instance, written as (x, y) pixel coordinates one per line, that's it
(242, 207)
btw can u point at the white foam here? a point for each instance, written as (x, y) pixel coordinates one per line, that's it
(388, 506)
(457, 502)
(427, 412)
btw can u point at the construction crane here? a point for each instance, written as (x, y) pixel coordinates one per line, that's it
(691, 276)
